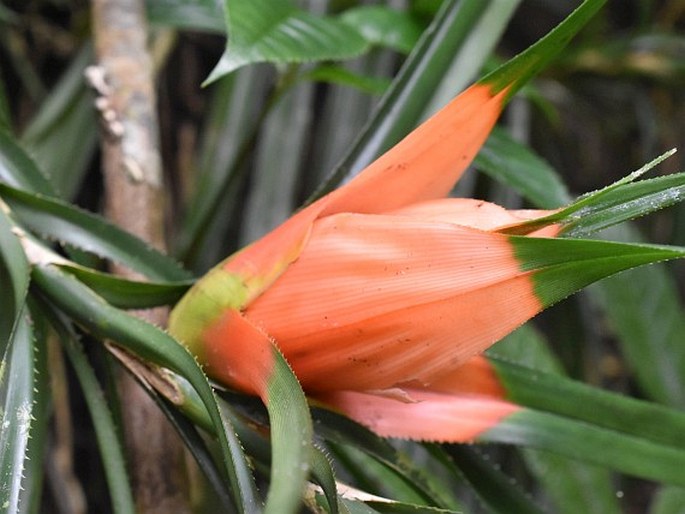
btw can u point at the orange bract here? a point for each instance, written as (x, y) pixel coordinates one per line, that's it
(238, 353)
(457, 407)
(374, 300)
(424, 165)
(430, 417)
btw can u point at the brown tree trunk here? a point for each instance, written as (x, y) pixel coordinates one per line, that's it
(134, 198)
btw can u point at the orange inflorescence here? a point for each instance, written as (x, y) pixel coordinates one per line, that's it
(380, 293)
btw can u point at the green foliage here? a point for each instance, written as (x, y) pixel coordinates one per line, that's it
(262, 145)
(509, 162)
(633, 301)
(201, 15)
(570, 485)
(109, 445)
(383, 26)
(23, 395)
(276, 31)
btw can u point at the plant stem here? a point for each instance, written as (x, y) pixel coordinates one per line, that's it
(134, 199)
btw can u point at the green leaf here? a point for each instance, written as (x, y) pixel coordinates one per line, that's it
(475, 53)
(560, 267)
(573, 486)
(276, 173)
(322, 473)
(518, 167)
(668, 500)
(570, 485)
(277, 32)
(591, 418)
(197, 15)
(21, 416)
(342, 430)
(342, 76)
(645, 311)
(222, 166)
(373, 476)
(381, 25)
(196, 445)
(577, 439)
(494, 488)
(622, 201)
(65, 223)
(18, 170)
(151, 344)
(14, 279)
(515, 73)
(109, 444)
(41, 413)
(542, 391)
(129, 294)
(290, 435)
(291, 439)
(339, 429)
(63, 136)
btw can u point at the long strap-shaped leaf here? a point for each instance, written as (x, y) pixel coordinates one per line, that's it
(128, 294)
(120, 292)
(198, 448)
(564, 480)
(499, 492)
(258, 444)
(108, 440)
(17, 168)
(291, 438)
(62, 222)
(541, 391)
(582, 422)
(322, 472)
(14, 279)
(621, 201)
(62, 135)
(339, 429)
(579, 440)
(646, 312)
(150, 343)
(21, 416)
(508, 161)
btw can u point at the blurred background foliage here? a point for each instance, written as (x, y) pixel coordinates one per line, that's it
(262, 139)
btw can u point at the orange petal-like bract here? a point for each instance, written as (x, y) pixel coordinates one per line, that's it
(374, 300)
(437, 416)
(380, 293)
